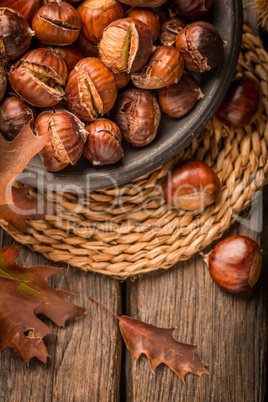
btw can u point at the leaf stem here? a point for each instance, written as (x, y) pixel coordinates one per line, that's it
(103, 305)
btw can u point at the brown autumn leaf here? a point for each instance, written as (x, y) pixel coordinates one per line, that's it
(23, 208)
(14, 157)
(158, 345)
(24, 293)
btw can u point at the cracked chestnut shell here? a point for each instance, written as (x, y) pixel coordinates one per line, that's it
(170, 28)
(190, 10)
(164, 68)
(70, 54)
(39, 77)
(96, 15)
(178, 99)
(91, 89)
(235, 264)
(57, 23)
(3, 80)
(103, 145)
(191, 186)
(15, 34)
(67, 138)
(148, 16)
(14, 114)
(137, 114)
(201, 46)
(27, 8)
(126, 45)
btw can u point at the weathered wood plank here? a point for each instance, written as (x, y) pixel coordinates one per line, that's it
(85, 357)
(230, 330)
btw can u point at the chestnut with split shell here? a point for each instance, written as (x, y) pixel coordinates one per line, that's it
(126, 45)
(148, 16)
(170, 28)
(39, 77)
(70, 54)
(235, 264)
(191, 186)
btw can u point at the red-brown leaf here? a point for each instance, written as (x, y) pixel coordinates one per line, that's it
(159, 346)
(23, 294)
(23, 208)
(14, 157)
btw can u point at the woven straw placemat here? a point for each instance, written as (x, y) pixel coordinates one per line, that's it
(130, 230)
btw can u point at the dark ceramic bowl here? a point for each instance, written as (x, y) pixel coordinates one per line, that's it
(173, 134)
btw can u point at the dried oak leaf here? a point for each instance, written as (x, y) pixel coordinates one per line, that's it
(23, 294)
(23, 208)
(159, 346)
(14, 157)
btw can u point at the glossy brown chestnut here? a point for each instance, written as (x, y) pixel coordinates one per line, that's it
(137, 114)
(240, 105)
(57, 23)
(190, 10)
(67, 138)
(39, 77)
(126, 45)
(70, 54)
(148, 16)
(164, 68)
(14, 114)
(96, 15)
(85, 47)
(178, 99)
(201, 46)
(170, 28)
(15, 34)
(27, 8)
(3, 80)
(91, 89)
(122, 79)
(144, 3)
(103, 145)
(191, 186)
(235, 264)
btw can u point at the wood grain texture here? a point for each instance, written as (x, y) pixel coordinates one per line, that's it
(85, 358)
(230, 330)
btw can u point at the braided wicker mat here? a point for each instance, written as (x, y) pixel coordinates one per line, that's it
(130, 230)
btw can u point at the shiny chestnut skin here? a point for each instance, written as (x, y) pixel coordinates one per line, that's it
(57, 23)
(15, 34)
(14, 114)
(103, 145)
(240, 105)
(201, 46)
(179, 99)
(3, 80)
(126, 45)
(148, 16)
(122, 79)
(144, 3)
(97, 15)
(164, 68)
(137, 114)
(191, 186)
(70, 54)
(91, 89)
(190, 10)
(170, 28)
(27, 8)
(235, 264)
(66, 141)
(39, 77)
(85, 47)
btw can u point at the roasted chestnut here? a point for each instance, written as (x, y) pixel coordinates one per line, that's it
(122, 79)
(164, 68)
(235, 264)
(178, 99)
(39, 77)
(144, 3)
(103, 145)
(170, 28)
(14, 114)
(27, 8)
(67, 138)
(15, 34)
(3, 80)
(97, 15)
(137, 114)
(57, 23)
(190, 10)
(201, 46)
(91, 89)
(191, 186)
(148, 16)
(241, 103)
(126, 45)
(70, 54)
(86, 48)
